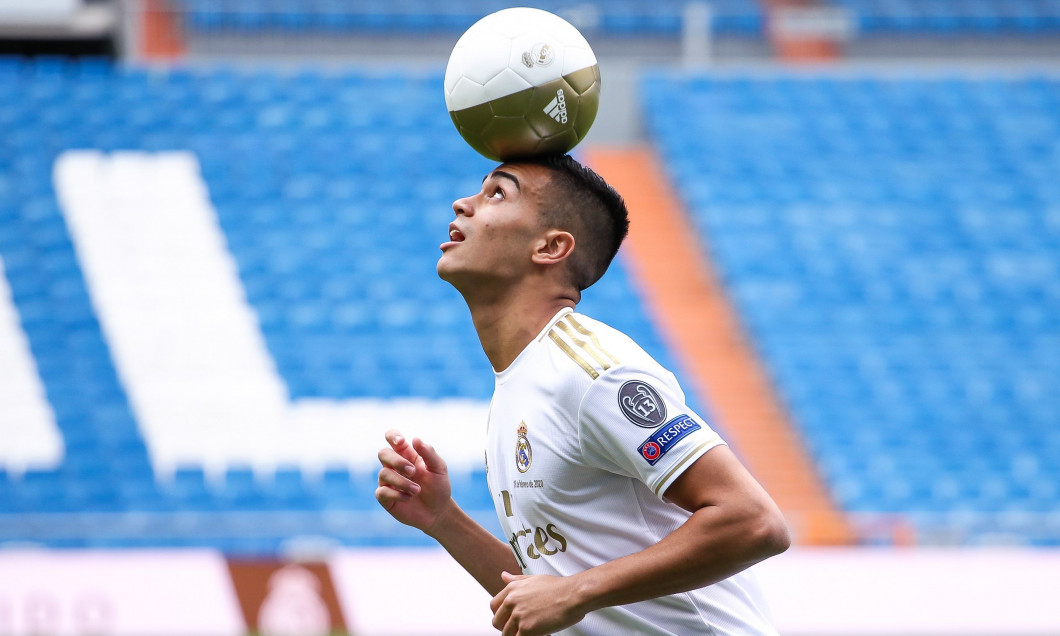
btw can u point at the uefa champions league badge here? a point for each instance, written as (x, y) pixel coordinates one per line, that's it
(642, 404)
(523, 453)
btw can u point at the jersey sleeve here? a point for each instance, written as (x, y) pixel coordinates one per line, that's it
(636, 423)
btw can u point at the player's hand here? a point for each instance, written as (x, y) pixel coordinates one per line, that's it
(535, 605)
(413, 482)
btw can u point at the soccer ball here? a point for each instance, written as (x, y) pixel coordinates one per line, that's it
(522, 82)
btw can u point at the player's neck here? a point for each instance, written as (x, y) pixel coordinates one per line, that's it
(505, 328)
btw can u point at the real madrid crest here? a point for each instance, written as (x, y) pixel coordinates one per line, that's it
(523, 454)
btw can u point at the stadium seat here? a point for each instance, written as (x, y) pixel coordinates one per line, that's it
(303, 186)
(955, 17)
(620, 18)
(890, 244)
(902, 301)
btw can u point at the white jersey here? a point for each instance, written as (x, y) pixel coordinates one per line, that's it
(586, 432)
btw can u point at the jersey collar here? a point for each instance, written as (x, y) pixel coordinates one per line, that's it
(502, 376)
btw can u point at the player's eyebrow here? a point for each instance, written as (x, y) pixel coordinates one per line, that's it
(506, 175)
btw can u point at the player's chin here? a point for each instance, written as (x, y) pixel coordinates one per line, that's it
(459, 275)
(446, 269)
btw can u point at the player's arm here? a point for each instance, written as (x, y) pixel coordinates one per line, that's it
(734, 524)
(414, 488)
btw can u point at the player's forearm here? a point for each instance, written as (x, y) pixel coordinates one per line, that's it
(711, 546)
(483, 555)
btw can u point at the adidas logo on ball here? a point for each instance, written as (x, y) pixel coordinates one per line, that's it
(508, 65)
(557, 108)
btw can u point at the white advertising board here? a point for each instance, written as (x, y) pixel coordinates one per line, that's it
(411, 592)
(915, 591)
(812, 592)
(415, 591)
(119, 593)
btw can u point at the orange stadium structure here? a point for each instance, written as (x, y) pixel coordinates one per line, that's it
(680, 286)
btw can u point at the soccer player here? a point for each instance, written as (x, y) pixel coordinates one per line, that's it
(624, 512)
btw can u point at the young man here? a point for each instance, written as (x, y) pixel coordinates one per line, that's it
(625, 513)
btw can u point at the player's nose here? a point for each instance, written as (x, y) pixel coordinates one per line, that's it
(463, 207)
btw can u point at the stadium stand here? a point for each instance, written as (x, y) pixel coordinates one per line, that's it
(955, 17)
(893, 247)
(890, 243)
(625, 17)
(331, 191)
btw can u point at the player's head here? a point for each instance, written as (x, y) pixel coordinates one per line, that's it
(543, 216)
(579, 201)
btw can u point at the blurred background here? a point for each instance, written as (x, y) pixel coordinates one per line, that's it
(218, 227)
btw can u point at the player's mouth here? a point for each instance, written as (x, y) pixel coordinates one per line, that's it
(455, 236)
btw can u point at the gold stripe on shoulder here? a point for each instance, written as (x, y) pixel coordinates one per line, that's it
(583, 345)
(710, 442)
(588, 368)
(592, 336)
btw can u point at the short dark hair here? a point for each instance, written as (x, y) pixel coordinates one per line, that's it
(579, 201)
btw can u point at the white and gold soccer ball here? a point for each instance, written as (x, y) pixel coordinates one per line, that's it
(522, 82)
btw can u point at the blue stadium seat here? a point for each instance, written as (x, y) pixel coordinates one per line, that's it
(618, 18)
(303, 185)
(902, 300)
(188, 488)
(955, 17)
(891, 245)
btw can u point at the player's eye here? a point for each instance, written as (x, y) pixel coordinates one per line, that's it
(496, 193)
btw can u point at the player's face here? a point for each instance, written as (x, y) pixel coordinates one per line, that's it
(494, 232)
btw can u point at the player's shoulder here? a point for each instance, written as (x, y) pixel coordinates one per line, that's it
(595, 347)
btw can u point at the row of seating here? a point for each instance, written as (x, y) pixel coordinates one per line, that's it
(891, 244)
(914, 339)
(955, 17)
(93, 485)
(332, 191)
(624, 17)
(615, 18)
(265, 533)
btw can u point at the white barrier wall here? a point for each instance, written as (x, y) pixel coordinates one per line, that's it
(148, 593)
(921, 592)
(813, 592)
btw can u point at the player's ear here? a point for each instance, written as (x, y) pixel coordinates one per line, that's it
(553, 247)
